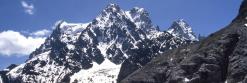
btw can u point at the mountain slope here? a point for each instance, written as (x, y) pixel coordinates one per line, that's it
(179, 29)
(98, 50)
(220, 58)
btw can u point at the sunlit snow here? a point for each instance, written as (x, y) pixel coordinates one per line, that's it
(105, 72)
(186, 80)
(1, 81)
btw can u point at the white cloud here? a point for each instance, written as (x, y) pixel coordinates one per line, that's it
(29, 8)
(15, 43)
(41, 33)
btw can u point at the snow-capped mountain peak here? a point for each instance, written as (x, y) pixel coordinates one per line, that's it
(138, 11)
(140, 17)
(180, 28)
(112, 7)
(73, 27)
(113, 37)
(111, 14)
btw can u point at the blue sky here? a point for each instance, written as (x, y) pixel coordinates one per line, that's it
(29, 16)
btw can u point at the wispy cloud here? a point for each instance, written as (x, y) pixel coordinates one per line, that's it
(15, 43)
(29, 8)
(41, 33)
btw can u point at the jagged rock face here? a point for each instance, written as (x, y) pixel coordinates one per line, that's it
(82, 52)
(220, 58)
(144, 54)
(181, 29)
(242, 10)
(3, 77)
(178, 29)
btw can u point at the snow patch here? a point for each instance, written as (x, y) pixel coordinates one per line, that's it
(71, 32)
(129, 16)
(70, 47)
(171, 59)
(186, 80)
(14, 73)
(1, 81)
(51, 73)
(245, 25)
(103, 48)
(105, 72)
(154, 34)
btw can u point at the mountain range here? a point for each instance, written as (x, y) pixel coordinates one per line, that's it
(219, 58)
(106, 50)
(121, 46)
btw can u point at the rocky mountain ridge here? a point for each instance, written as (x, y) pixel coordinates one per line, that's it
(103, 50)
(219, 58)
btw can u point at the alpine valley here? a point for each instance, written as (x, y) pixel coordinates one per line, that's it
(105, 50)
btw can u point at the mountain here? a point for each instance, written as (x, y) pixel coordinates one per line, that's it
(3, 76)
(112, 46)
(182, 29)
(219, 58)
